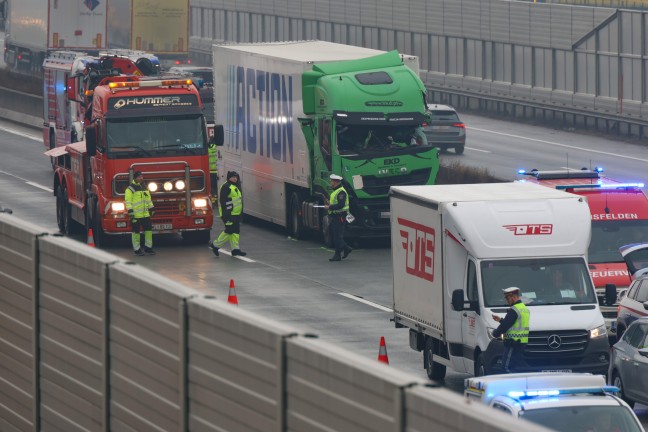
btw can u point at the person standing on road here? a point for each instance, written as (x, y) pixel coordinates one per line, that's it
(230, 199)
(514, 327)
(213, 172)
(140, 210)
(338, 208)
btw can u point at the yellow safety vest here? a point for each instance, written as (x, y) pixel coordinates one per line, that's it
(520, 330)
(333, 199)
(212, 158)
(138, 200)
(234, 202)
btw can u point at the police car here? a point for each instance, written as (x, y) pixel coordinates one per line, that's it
(569, 402)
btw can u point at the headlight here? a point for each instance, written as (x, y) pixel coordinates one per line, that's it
(598, 332)
(152, 186)
(200, 203)
(180, 184)
(168, 186)
(117, 207)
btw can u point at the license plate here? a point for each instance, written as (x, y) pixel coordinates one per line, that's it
(557, 370)
(162, 227)
(440, 127)
(384, 215)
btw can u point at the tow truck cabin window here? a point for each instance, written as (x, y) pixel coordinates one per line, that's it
(155, 136)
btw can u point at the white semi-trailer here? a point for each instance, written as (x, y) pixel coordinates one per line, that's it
(35, 27)
(456, 247)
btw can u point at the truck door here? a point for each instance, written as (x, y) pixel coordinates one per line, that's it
(469, 317)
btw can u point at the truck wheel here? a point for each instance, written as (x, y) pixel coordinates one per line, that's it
(459, 150)
(296, 224)
(196, 237)
(326, 234)
(69, 224)
(100, 239)
(480, 367)
(60, 209)
(435, 371)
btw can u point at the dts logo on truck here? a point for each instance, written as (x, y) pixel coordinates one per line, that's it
(418, 243)
(530, 229)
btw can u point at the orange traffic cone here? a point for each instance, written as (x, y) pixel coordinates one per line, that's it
(231, 298)
(90, 238)
(382, 353)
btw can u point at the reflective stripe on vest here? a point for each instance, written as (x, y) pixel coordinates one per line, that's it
(234, 202)
(333, 199)
(520, 330)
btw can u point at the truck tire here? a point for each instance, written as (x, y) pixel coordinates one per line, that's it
(52, 144)
(435, 371)
(70, 226)
(94, 222)
(61, 200)
(296, 222)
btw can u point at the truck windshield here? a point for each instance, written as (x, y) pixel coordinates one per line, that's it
(353, 139)
(584, 418)
(155, 136)
(608, 236)
(542, 281)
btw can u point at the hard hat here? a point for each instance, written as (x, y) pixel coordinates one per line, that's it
(335, 177)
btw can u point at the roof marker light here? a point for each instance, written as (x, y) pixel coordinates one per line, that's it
(521, 171)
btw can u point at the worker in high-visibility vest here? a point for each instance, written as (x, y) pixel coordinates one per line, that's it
(213, 173)
(230, 208)
(338, 209)
(514, 328)
(140, 210)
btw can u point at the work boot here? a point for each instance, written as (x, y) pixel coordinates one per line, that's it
(347, 251)
(238, 252)
(336, 257)
(214, 249)
(139, 252)
(149, 251)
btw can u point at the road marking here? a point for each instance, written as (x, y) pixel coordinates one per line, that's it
(22, 134)
(367, 302)
(479, 150)
(226, 252)
(26, 181)
(562, 145)
(39, 186)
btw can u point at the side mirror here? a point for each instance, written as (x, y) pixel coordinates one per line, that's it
(645, 305)
(643, 352)
(610, 294)
(219, 136)
(91, 139)
(458, 300)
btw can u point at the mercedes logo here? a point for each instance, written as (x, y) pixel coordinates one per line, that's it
(554, 341)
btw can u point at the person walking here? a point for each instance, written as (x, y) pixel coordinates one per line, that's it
(338, 208)
(140, 210)
(514, 328)
(213, 172)
(230, 209)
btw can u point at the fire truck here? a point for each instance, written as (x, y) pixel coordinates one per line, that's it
(63, 119)
(619, 214)
(133, 122)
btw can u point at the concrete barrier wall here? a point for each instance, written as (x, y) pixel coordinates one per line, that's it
(91, 342)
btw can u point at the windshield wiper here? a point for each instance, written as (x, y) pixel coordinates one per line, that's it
(178, 146)
(130, 148)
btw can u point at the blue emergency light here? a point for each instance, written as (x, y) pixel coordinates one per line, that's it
(555, 392)
(601, 186)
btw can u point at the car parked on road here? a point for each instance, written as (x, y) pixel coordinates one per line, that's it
(445, 130)
(634, 304)
(629, 363)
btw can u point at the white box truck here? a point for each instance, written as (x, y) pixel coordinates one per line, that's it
(35, 27)
(455, 247)
(295, 112)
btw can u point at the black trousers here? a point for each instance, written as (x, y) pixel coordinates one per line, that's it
(336, 227)
(512, 357)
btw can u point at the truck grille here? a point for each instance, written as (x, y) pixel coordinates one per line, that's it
(373, 185)
(558, 343)
(609, 314)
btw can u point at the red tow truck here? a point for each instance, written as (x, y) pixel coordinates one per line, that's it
(134, 123)
(619, 216)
